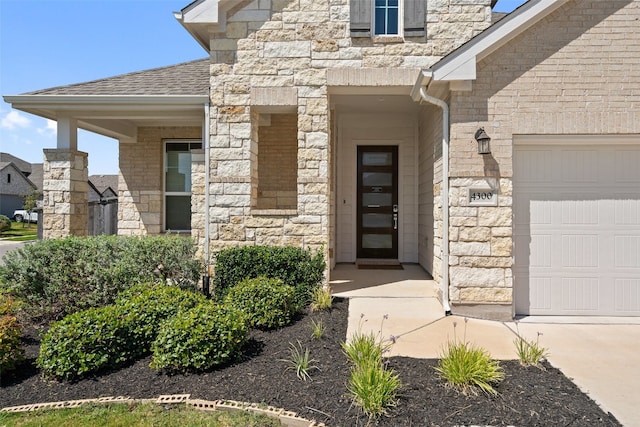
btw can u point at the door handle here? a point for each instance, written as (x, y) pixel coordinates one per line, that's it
(395, 221)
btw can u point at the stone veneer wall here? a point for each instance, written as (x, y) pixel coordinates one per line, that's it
(290, 45)
(571, 74)
(140, 182)
(65, 193)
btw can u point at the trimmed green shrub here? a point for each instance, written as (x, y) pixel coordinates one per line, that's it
(11, 351)
(148, 305)
(60, 276)
(5, 223)
(201, 338)
(85, 342)
(107, 337)
(294, 266)
(268, 303)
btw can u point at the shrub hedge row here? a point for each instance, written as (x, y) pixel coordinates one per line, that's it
(294, 266)
(61, 276)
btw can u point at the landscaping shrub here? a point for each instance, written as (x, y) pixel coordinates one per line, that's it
(57, 277)
(11, 351)
(268, 303)
(107, 337)
(85, 342)
(294, 266)
(148, 305)
(5, 223)
(201, 338)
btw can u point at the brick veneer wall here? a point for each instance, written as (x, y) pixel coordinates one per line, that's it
(140, 205)
(574, 73)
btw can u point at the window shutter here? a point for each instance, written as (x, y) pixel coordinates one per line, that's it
(414, 18)
(360, 11)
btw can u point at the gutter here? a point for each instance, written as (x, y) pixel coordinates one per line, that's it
(207, 166)
(422, 85)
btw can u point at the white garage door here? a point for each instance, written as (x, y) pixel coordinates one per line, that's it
(577, 229)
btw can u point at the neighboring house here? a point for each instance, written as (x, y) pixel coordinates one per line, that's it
(104, 187)
(14, 185)
(351, 127)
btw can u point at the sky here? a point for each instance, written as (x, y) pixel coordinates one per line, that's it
(49, 43)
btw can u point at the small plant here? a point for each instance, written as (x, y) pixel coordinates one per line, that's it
(469, 368)
(11, 351)
(317, 329)
(300, 362)
(321, 299)
(5, 223)
(374, 388)
(530, 353)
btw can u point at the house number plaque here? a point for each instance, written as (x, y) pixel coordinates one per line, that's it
(483, 197)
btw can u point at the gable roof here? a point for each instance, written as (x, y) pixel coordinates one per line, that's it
(105, 182)
(12, 165)
(460, 65)
(22, 165)
(188, 78)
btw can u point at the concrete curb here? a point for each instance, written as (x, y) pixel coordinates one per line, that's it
(287, 418)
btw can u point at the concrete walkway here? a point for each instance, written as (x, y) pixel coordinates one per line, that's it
(601, 355)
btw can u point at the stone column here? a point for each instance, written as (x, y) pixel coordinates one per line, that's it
(66, 193)
(198, 204)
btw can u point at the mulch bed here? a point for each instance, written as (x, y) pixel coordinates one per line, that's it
(527, 397)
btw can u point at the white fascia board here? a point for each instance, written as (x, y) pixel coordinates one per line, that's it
(461, 65)
(106, 102)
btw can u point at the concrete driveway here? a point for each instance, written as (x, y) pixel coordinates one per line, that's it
(600, 355)
(6, 246)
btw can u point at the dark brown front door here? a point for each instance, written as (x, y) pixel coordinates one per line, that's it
(378, 202)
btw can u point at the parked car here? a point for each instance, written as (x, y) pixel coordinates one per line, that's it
(22, 215)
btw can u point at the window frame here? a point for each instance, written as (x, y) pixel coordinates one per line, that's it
(165, 193)
(400, 18)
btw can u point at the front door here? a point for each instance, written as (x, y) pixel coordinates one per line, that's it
(378, 202)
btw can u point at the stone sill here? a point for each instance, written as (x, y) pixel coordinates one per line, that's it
(387, 39)
(274, 212)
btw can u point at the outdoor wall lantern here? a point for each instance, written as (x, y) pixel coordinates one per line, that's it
(483, 141)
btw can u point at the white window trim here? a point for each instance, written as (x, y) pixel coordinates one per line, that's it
(164, 180)
(400, 20)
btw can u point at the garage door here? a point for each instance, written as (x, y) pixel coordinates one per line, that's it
(577, 229)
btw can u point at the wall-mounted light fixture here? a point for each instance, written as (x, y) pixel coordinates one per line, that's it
(483, 141)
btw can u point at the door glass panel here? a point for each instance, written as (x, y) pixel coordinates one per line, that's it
(380, 199)
(373, 220)
(377, 241)
(377, 159)
(377, 178)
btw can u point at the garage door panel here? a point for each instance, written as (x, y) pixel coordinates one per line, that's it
(580, 166)
(627, 251)
(580, 294)
(580, 251)
(577, 230)
(627, 295)
(627, 170)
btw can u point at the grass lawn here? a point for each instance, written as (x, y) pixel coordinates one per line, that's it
(135, 415)
(20, 231)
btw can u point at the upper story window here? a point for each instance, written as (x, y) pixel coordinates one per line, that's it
(405, 18)
(386, 17)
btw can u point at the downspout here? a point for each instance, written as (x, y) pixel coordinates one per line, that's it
(445, 194)
(207, 162)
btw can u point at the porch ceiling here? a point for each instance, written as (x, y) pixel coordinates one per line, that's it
(115, 116)
(374, 103)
